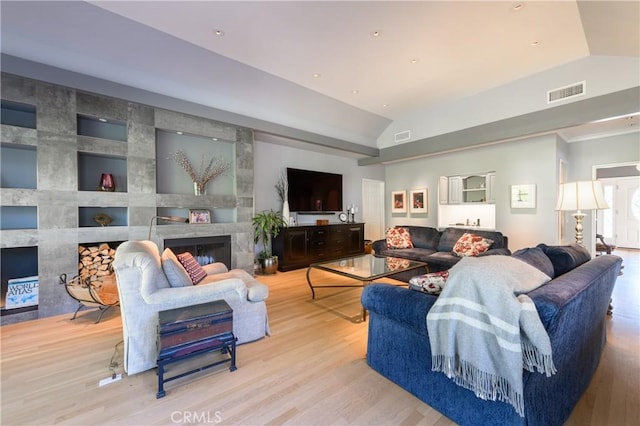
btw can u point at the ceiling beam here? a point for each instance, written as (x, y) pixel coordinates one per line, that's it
(549, 120)
(50, 74)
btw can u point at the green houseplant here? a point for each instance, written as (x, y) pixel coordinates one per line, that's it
(266, 226)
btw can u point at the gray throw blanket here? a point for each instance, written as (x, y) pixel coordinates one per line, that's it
(483, 331)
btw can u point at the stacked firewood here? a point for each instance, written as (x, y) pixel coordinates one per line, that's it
(95, 263)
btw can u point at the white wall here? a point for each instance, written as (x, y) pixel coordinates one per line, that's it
(271, 159)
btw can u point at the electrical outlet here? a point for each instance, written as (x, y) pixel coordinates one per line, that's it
(109, 380)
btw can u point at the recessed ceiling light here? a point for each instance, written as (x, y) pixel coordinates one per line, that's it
(214, 139)
(376, 33)
(316, 75)
(355, 91)
(178, 133)
(385, 105)
(219, 33)
(414, 60)
(104, 120)
(518, 6)
(535, 43)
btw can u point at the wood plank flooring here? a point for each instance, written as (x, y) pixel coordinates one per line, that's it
(312, 370)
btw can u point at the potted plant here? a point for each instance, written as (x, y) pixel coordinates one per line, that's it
(266, 225)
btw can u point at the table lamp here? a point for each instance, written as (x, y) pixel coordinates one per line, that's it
(582, 195)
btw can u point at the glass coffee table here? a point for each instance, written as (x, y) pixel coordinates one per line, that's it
(365, 268)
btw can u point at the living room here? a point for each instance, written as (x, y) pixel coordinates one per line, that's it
(533, 154)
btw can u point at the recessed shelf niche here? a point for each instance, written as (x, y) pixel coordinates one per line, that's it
(102, 128)
(171, 177)
(18, 217)
(17, 114)
(19, 165)
(87, 216)
(17, 262)
(92, 166)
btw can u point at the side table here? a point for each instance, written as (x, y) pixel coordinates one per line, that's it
(186, 332)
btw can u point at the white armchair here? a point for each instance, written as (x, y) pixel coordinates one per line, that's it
(145, 289)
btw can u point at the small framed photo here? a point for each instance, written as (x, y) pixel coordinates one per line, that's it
(199, 216)
(523, 196)
(418, 200)
(399, 202)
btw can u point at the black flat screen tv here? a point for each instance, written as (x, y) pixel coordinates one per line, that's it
(311, 192)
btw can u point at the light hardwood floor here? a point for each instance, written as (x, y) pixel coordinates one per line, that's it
(312, 370)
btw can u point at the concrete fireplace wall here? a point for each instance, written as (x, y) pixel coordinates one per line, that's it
(58, 200)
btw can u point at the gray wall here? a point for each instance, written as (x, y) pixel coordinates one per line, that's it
(529, 161)
(271, 159)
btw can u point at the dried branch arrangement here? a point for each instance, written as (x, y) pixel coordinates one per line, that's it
(282, 187)
(216, 167)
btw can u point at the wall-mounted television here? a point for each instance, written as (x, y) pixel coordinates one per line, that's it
(311, 191)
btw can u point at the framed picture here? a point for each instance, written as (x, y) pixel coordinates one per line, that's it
(199, 216)
(523, 196)
(399, 202)
(418, 200)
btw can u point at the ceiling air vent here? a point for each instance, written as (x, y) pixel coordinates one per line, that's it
(402, 136)
(566, 92)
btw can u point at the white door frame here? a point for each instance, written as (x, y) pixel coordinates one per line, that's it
(378, 214)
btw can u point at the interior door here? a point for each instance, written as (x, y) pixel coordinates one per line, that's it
(627, 213)
(373, 209)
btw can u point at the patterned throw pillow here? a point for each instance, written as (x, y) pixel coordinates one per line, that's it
(394, 263)
(195, 271)
(471, 245)
(432, 283)
(398, 238)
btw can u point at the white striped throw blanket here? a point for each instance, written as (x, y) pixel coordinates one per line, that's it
(483, 331)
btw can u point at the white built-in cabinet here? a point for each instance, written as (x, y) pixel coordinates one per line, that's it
(467, 189)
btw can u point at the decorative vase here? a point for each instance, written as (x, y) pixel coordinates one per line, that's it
(199, 189)
(107, 183)
(285, 212)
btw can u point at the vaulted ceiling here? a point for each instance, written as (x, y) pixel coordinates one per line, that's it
(343, 69)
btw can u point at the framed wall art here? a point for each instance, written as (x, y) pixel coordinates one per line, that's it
(418, 201)
(399, 202)
(199, 216)
(523, 196)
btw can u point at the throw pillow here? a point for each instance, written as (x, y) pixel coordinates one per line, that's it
(471, 245)
(431, 283)
(394, 263)
(398, 238)
(565, 258)
(193, 268)
(534, 256)
(174, 271)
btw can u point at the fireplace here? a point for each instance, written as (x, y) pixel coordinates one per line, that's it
(204, 249)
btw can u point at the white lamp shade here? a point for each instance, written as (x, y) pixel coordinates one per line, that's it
(583, 195)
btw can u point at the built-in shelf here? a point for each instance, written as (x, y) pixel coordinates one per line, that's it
(18, 217)
(53, 154)
(92, 166)
(198, 151)
(87, 216)
(98, 127)
(17, 262)
(18, 114)
(19, 164)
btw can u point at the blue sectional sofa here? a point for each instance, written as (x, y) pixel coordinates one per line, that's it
(572, 307)
(436, 247)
